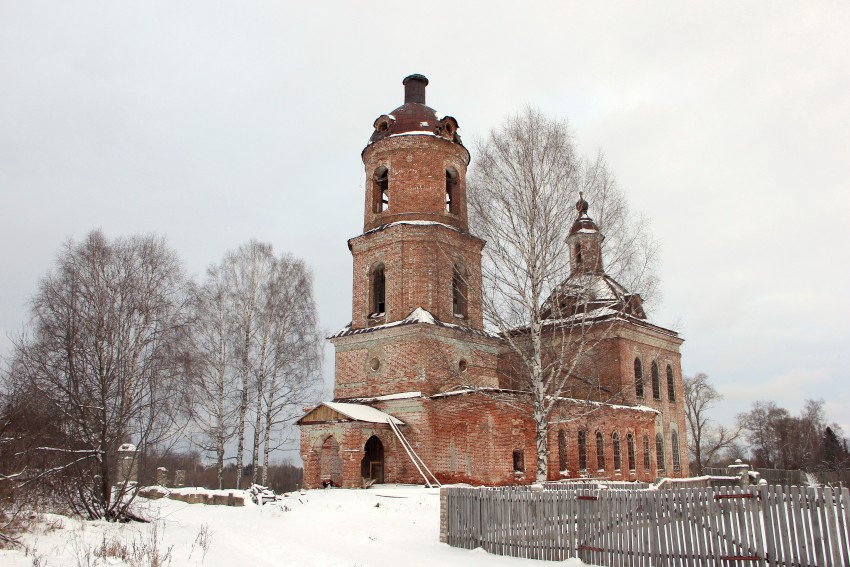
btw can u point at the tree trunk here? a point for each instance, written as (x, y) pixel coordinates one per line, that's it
(243, 407)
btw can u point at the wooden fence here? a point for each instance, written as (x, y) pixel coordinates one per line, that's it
(785, 477)
(725, 526)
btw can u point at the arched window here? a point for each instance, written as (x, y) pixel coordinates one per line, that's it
(562, 450)
(600, 451)
(379, 306)
(671, 386)
(638, 378)
(380, 190)
(459, 292)
(519, 460)
(582, 450)
(656, 382)
(615, 449)
(674, 440)
(659, 450)
(630, 450)
(646, 457)
(578, 253)
(451, 192)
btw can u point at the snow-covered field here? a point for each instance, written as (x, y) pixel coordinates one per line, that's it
(386, 525)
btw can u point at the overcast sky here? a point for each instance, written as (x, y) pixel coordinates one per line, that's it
(212, 123)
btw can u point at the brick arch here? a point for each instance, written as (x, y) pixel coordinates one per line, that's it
(330, 461)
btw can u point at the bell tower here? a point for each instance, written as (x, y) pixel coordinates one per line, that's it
(415, 250)
(416, 320)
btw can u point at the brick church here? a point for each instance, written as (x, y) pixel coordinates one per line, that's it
(424, 391)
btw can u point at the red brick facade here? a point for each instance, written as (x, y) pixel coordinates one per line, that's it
(417, 349)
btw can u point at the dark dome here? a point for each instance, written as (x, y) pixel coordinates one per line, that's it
(414, 115)
(583, 222)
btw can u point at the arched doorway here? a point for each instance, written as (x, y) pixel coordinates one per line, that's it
(372, 465)
(330, 469)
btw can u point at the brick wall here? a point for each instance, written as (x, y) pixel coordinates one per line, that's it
(418, 265)
(417, 167)
(472, 438)
(419, 357)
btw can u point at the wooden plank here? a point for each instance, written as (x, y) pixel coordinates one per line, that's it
(796, 514)
(759, 534)
(786, 535)
(688, 543)
(743, 525)
(701, 526)
(769, 524)
(713, 515)
(844, 524)
(653, 529)
(830, 527)
(723, 547)
(664, 528)
(813, 497)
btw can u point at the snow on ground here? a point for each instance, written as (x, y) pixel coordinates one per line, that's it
(386, 525)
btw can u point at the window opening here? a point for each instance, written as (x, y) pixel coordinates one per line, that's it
(562, 450)
(578, 253)
(656, 382)
(630, 450)
(646, 458)
(671, 386)
(674, 439)
(582, 450)
(638, 378)
(458, 293)
(519, 461)
(659, 450)
(381, 190)
(451, 190)
(615, 449)
(600, 451)
(379, 306)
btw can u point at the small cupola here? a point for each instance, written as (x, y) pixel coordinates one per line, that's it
(585, 242)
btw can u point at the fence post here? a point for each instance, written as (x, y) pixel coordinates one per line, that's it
(444, 515)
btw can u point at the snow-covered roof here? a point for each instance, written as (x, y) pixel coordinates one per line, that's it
(461, 391)
(418, 315)
(388, 397)
(412, 223)
(360, 412)
(594, 287)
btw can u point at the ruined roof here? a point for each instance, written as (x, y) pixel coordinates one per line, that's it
(585, 292)
(417, 316)
(414, 116)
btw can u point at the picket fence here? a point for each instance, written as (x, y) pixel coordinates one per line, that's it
(724, 526)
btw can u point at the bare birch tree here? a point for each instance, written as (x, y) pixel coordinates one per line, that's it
(273, 329)
(214, 397)
(104, 358)
(245, 271)
(705, 440)
(294, 373)
(522, 189)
